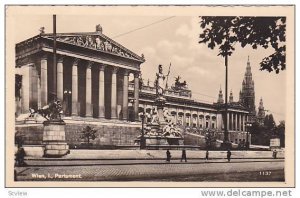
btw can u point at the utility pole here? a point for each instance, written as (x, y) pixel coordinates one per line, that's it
(54, 88)
(226, 100)
(226, 144)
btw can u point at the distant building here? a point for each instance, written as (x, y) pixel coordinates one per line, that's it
(220, 98)
(261, 112)
(93, 84)
(247, 97)
(247, 94)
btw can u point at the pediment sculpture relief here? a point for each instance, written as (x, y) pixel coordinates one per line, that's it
(95, 42)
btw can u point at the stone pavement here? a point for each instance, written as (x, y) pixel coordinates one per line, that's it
(150, 165)
(161, 154)
(155, 172)
(97, 162)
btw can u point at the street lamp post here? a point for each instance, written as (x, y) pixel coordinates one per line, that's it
(67, 94)
(248, 125)
(142, 140)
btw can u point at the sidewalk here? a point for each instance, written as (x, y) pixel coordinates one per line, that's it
(157, 155)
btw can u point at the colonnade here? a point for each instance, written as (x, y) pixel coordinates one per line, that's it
(41, 67)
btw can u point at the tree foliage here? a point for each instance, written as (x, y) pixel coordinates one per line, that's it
(269, 122)
(261, 134)
(88, 134)
(266, 32)
(210, 139)
(280, 132)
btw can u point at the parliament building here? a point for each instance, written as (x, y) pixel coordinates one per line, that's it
(92, 73)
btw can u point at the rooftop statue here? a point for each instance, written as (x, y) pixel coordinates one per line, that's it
(99, 28)
(179, 85)
(42, 30)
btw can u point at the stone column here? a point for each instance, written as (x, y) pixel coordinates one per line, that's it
(114, 93)
(125, 96)
(136, 95)
(198, 120)
(25, 90)
(240, 122)
(236, 121)
(228, 123)
(88, 91)
(60, 79)
(101, 92)
(232, 121)
(44, 81)
(39, 102)
(184, 118)
(75, 104)
(243, 122)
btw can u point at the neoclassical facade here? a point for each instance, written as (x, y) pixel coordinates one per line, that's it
(197, 115)
(92, 73)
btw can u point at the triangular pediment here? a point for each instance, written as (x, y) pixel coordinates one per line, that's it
(96, 41)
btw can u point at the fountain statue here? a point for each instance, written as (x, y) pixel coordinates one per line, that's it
(159, 126)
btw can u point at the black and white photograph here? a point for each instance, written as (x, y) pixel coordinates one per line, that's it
(152, 95)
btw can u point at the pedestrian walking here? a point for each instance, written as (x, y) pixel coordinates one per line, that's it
(274, 154)
(206, 155)
(168, 156)
(228, 155)
(183, 156)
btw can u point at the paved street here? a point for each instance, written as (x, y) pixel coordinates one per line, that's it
(153, 170)
(161, 154)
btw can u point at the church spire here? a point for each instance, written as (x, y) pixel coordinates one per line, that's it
(241, 96)
(231, 97)
(220, 98)
(261, 112)
(247, 94)
(248, 68)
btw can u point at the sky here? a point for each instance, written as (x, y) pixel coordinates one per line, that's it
(175, 41)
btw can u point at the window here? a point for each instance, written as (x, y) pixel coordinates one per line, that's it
(206, 124)
(213, 125)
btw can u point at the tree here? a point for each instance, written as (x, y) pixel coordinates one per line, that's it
(280, 132)
(88, 134)
(269, 123)
(210, 139)
(266, 32)
(260, 135)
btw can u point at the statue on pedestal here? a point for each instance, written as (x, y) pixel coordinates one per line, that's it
(160, 82)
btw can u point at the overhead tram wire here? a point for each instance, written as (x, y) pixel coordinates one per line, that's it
(162, 20)
(165, 19)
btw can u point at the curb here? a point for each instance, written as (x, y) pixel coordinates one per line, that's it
(106, 159)
(139, 163)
